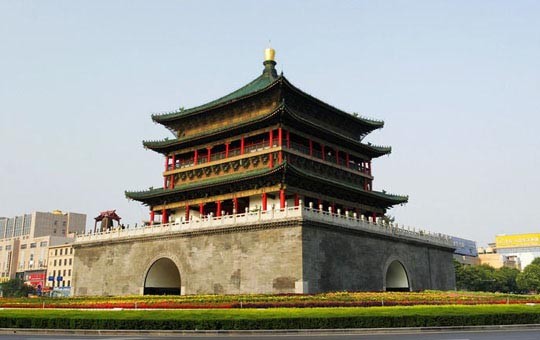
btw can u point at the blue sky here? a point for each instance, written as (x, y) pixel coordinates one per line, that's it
(456, 82)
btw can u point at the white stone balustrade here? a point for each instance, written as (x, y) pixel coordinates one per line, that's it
(210, 222)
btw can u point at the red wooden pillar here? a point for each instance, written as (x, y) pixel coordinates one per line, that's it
(337, 156)
(288, 139)
(235, 204)
(242, 146)
(218, 208)
(187, 212)
(201, 209)
(174, 161)
(279, 157)
(195, 157)
(296, 200)
(226, 150)
(281, 199)
(152, 216)
(322, 152)
(310, 147)
(270, 138)
(208, 154)
(171, 182)
(264, 202)
(280, 136)
(347, 160)
(164, 216)
(271, 160)
(166, 163)
(369, 164)
(374, 215)
(165, 182)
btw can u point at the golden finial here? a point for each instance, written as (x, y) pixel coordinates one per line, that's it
(269, 53)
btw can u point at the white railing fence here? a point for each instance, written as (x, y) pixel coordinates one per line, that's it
(345, 219)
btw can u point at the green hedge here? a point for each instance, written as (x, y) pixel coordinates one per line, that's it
(312, 318)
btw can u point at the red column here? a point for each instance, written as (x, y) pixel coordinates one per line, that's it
(264, 202)
(374, 215)
(310, 147)
(152, 216)
(171, 182)
(226, 150)
(271, 160)
(282, 199)
(288, 139)
(166, 163)
(337, 156)
(218, 208)
(164, 182)
(280, 157)
(347, 159)
(235, 204)
(174, 161)
(187, 212)
(270, 138)
(195, 157)
(369, 164)
(242, 146)
(208, 155)
(164, 216)
(280, 136)
(322, 152)
(201, 209)
(296, 200)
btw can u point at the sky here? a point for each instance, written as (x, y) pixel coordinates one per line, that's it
(456, 82)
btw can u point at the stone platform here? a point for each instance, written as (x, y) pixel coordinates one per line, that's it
(291, 250)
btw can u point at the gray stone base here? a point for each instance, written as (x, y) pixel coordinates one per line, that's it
(281, 257)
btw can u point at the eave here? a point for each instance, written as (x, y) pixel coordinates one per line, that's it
(166, 146)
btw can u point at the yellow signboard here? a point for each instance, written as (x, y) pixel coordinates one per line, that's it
(519, 240)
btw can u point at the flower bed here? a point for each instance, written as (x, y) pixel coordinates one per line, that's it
(337, 299)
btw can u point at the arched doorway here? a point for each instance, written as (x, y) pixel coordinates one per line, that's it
(396, 278)
(163, 278)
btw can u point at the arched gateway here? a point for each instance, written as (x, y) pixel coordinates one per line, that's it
(396, 278)
(163, 278)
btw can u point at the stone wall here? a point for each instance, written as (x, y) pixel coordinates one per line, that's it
(336, 259)
(262, 259)
(278, 257)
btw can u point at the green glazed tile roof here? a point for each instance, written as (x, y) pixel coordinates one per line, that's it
(394, 199)
(263, 81)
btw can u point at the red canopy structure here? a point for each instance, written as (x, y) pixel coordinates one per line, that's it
(106, 218)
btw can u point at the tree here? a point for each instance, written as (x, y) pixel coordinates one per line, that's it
(505, 280)
(486, 278)
(16, 288)
(529, 278)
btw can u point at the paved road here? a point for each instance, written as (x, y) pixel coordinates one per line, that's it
(525, 334)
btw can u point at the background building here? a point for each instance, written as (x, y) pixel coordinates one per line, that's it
(25, 239)
(60, 268)
(523, 247)
(489, 255)
(466, 252)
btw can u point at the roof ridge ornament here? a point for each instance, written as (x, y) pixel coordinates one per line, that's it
(269, 62)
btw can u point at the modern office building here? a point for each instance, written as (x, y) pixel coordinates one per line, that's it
(523, 247)
(25, 240)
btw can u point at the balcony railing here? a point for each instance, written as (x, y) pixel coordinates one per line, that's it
(339, 220)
